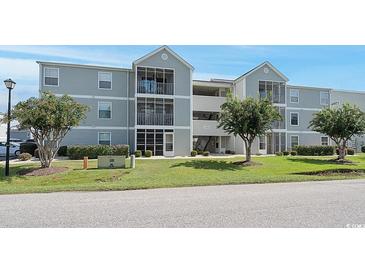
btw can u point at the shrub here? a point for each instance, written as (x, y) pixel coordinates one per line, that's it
(25, 156)
(36, 153)
(199, 151)
(148, 153)
(28, 147)
(62, 151)
(279, 154)
(285, 153)
(206, 153)
(315, 150)
(363, 149)
(293, 153)
(350, 151)
(78, 152)
(194, 153)
(138, 153)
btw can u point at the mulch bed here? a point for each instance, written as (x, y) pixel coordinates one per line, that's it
(42, 171)
(334, 172)
(245, 163)
(341, 162)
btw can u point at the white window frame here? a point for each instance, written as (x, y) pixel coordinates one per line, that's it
(320, 98)
(297, 119)
(110, 138)
(291, 143)
(111, 110)
(111, 80)
(290, 95)
(328, 141)
(44, 77)
(265, 143)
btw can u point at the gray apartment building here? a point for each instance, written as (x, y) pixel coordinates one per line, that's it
(156, 105)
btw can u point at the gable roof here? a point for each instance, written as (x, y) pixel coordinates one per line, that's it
(169, 51)
(267, 63)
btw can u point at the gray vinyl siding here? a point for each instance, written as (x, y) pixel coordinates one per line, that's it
(183, 79)
(252, 80)
(90, 136)
(305, 138)
(182, 142)
(305, 116)
(182, 112)
(353, 98)
(132, 84)
(309, 97)
(84, 81)
(119, 113)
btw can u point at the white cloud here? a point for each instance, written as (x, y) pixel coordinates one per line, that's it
(99, 56)
(24, 69)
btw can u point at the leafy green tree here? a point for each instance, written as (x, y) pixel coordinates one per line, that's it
(247, 118)
(340, 124)
(49, 118)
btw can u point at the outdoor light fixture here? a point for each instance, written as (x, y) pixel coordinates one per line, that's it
(10, 84)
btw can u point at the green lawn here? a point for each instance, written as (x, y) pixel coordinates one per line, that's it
(174, 173)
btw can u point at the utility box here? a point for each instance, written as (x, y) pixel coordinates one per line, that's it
(111, 161)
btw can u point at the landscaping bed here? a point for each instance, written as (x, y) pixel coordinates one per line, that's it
(41, 171)
(332, 172)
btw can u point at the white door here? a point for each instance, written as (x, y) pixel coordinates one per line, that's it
(168, 148)
(262, 145)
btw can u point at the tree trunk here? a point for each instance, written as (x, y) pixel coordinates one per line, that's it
(248, 151)
(45, 156)
(342, 151)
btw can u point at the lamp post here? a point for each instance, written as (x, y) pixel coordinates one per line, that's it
(10, 84)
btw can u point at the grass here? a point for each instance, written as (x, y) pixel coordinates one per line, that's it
(175, 173)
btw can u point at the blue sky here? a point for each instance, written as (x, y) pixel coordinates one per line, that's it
(341, 67)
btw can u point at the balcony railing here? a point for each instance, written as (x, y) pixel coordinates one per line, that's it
(159, 119)
(152, 87)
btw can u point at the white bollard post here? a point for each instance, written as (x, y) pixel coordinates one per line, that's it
(133, 161)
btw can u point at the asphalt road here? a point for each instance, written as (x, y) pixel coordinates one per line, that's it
(310, 204)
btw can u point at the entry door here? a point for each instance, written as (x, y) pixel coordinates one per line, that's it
(262, 145)
(168, 148)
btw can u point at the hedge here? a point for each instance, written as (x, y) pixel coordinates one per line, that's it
(148, 153)
(62, 151)
(25, 156)
(315, 150)
(348, 151)
(77, 152)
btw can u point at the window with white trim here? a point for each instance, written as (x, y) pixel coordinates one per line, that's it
(324, 141)
(51, 76)
(104, 110)
(294, 118)
(104, 138)
(294, 96)
(104, 80)
(262, 143)
(325, 98)
(294, 141)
